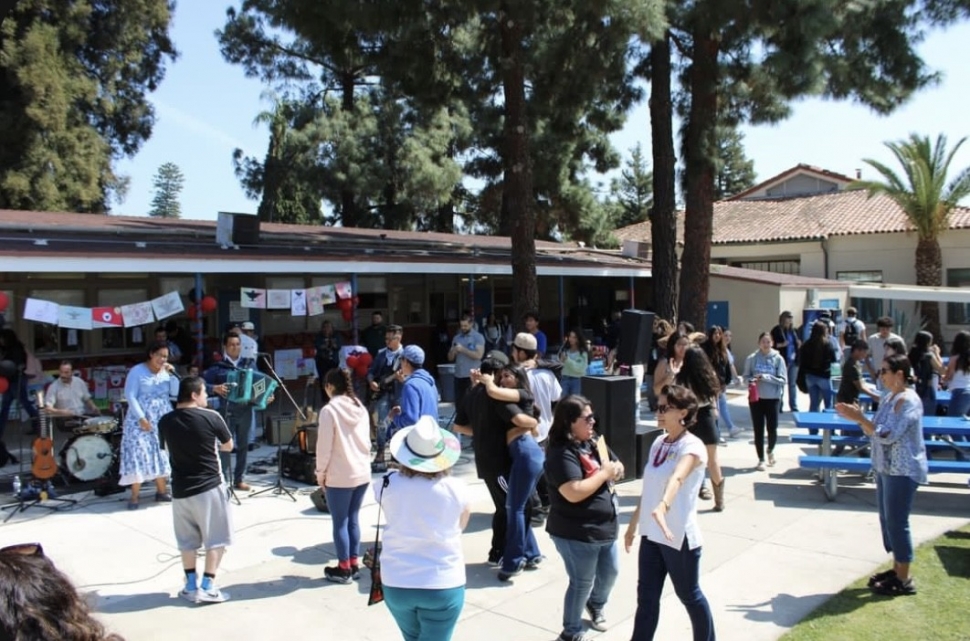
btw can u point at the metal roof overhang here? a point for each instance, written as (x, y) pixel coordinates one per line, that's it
(172, 265)
(911, 292)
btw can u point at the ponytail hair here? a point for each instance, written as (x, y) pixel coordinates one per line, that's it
(342, 382)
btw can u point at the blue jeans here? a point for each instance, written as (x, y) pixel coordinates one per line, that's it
(344, 504)
(570, 385)
(723, 412)
(592, 569)
(520, 542)
(819, 392)
(792, 387)
(425, 615)
(894, 499)
(959, 406)
(16, 389)
(683, 566)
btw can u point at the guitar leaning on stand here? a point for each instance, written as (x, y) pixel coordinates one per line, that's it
(39, 491)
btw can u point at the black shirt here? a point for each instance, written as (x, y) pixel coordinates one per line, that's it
(592, 519)
(489, 420)
(190, 434)
(848, 391)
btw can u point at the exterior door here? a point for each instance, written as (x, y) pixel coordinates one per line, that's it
(718, 313)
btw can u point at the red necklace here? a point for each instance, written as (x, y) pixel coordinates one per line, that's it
(665, 450)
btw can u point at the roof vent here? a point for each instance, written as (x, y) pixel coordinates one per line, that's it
(637, 249)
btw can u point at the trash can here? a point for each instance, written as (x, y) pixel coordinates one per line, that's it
(446, 382)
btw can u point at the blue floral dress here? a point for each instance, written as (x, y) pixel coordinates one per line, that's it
(148, 395)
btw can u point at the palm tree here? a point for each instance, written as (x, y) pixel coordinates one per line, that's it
(926, 198)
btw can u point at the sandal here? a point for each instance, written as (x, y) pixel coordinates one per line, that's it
(879, 577)
(705, 492)
(894, 587)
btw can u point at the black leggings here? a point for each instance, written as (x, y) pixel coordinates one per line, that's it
(764, 411)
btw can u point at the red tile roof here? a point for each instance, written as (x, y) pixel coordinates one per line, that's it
(806, 218)
(797, 169)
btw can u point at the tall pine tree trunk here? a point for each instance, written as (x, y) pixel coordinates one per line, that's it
(663, 217)
(517, 184)
(349, 215)
(700, 142)
(929, 272)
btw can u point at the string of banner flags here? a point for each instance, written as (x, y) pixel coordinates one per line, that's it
(301, 302)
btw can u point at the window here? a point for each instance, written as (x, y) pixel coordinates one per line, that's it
(958, 313)
(793, 267)
(869, 308)
(51, 339)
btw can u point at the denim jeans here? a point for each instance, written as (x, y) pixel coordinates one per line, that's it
(959, 406)
(792, 387)
(570, 385)
(16, 389)
(592, 569)
(656, 562)
(819, 392)
(425, 615)
(344, 504)
(894, 499)
(723, 412)
(239, 418)
(520, 542)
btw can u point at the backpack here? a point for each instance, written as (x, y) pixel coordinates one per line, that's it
(851, 333)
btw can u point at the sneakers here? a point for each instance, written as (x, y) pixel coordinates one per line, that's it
(355, 572)
(760, 466)
(505, 576)
(495, 558)
(736, 432)
(596, 619)
(242, 486)
(163, 497)
(192, 596)
(212, 595)
(580, 636)
(132, 505)
(534, 562)
(893, 586)
(879, 577)
(771, 459)
(337, 574)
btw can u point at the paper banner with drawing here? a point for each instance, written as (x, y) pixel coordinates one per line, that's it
(74, 317)
(344, 289)
(278, 299)
(42, 311)
(167, 305)
(314, 301)
(328, 294)
(137, 314)
(254, 298)
(102, 317)
(298, 302)
(287, 363)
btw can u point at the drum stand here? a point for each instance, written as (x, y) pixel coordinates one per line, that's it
(26, 499)
(278, 488)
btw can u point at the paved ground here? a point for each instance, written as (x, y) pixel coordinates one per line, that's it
(778, 551)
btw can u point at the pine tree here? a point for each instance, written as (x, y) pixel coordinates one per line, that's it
(168, 183)
(735, 172)
(74, 77)
(633, 190)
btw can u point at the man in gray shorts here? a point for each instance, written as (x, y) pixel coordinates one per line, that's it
(194, 436)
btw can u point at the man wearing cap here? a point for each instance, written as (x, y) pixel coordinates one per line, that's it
(467, 349)
(419, 396)
(785, 340)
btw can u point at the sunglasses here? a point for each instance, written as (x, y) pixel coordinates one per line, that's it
(25, 549)
(590, 419)
(662, 409)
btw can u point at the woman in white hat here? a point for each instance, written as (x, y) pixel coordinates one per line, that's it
(425, 511)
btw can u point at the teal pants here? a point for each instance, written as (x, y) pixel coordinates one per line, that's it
(425, 615)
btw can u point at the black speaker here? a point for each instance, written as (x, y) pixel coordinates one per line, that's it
(645, 438)
(636, 334)
(245, 229)
(614, 403)
(319, 498)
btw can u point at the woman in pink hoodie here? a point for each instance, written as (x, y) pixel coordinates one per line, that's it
(343, 469)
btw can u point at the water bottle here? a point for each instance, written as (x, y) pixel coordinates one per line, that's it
(16, 486)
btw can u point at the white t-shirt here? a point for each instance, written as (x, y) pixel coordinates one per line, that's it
(682, 516)
(545, 390)
(71, 396)
(421, 541)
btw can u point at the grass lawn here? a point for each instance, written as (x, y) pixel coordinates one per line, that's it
(940, 611)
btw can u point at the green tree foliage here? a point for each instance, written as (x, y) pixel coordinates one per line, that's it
(633, 190)
(168, 183)
(74, 77)
(923, 193)
(735, 172)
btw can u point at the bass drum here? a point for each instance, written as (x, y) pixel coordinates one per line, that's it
(87, 457)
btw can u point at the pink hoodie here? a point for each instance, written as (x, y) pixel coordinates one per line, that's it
(343, 444)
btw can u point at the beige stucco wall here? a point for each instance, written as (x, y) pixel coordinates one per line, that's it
(753, 308)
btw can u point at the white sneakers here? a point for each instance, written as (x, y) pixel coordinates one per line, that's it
(212, 595)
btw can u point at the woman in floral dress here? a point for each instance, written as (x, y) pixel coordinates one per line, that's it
(148, 390)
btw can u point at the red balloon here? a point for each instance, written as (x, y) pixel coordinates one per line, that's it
(4, 385)
(344, 304)
(361, 370)
(209, 304)
(352, 361)
(366, 359)
(348, 315)
(4, 301)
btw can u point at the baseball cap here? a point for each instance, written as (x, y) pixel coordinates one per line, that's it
(413, 354)
(248, 326)
(526, 341)
(499, 356)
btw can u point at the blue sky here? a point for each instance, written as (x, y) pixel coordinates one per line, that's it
(205, 108)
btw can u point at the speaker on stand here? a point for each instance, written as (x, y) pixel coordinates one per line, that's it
(636, 337)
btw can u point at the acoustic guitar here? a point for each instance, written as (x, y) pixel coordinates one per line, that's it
(44, 466)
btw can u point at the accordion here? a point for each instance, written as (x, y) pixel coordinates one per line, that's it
(250, 386)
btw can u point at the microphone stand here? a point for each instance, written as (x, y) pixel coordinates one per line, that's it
(278, 488)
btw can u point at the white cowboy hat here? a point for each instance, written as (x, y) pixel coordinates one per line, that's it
(425, 447)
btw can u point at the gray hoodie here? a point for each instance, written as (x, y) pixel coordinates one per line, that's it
(771, 367)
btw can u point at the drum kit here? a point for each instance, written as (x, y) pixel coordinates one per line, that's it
(93, 452)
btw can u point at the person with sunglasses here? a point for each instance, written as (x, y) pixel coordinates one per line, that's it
(670, 541)
(899, 464)
(583, 510)
(39, 603)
